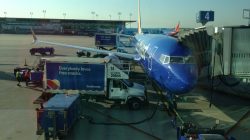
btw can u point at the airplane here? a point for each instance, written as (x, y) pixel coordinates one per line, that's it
(164, 59)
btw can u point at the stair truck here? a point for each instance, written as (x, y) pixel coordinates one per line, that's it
(92, 77)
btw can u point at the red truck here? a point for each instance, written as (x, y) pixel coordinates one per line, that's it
(42, 50)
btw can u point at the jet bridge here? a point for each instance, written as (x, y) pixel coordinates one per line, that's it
(200, 43)
(236, 51)
(224, 53)
(225, 49)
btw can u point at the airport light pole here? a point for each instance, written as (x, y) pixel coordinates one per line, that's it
(44, 12)
(31, 13)
(5, 13)
(64, 15)
(119, 14)
(93, 13)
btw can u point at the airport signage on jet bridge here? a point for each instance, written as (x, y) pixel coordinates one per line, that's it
(105, 40)
(205, 16)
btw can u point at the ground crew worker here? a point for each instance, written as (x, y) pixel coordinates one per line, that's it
(27, 76)
(18, 77)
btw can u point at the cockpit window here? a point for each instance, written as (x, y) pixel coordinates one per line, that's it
(165, 59)
(176, 59)
(162, 58)
(189, 59)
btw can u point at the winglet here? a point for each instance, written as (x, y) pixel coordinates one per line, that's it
(34, 35)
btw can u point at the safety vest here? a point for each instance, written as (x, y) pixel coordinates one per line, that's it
(18, 74)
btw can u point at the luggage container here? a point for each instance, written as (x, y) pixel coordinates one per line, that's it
(58, 115)
(36, 77)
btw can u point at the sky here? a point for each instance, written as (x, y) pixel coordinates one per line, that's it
(154, 13)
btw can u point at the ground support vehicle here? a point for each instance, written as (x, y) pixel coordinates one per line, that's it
(42, 50)
(35, 78)
(190, 131)
(56, 117)
(92, 77)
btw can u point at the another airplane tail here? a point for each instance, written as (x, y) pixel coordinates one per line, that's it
(34, 36)
(176, 30)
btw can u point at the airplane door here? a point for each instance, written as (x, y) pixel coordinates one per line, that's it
(150, 58)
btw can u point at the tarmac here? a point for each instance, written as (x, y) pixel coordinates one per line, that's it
(18, 115)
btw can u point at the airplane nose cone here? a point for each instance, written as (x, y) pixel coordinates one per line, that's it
(184, 78)
(187, 86)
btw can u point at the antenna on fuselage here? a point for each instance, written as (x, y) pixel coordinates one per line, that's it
(139, 18)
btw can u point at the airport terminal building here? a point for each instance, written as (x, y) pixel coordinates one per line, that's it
(60, 26)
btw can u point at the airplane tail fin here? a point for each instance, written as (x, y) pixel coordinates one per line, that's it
(34, 36)
(176, 30)
(139, 18)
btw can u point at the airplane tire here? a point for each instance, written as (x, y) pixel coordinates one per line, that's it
(134, 104)
(88, 54)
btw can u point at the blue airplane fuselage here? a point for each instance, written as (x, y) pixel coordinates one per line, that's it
(167, 62)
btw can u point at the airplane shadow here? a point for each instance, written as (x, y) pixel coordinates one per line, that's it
(106, 104)
(50, 55)
(59, 55)
(8, 64)
(7, 76)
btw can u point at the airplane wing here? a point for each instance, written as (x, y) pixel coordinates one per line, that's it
(87, 49)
